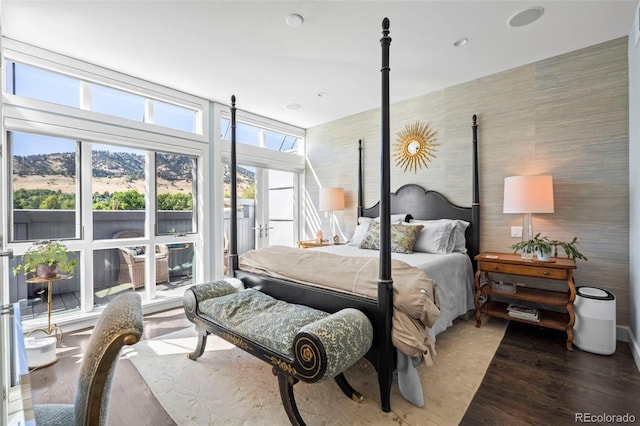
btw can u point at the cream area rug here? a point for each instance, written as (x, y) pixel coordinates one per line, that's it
(227, 386)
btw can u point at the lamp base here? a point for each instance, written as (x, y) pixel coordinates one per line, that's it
(527, 234)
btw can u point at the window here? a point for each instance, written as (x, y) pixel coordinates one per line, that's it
(36, 83)
(117, 103)
(45, 184)
(280, 142)
(175, 193)
(256, 136)
(49, 86)
(118, 190)
(174, 116)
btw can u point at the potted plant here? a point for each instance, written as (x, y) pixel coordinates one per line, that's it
(543, 247)
(46, 259)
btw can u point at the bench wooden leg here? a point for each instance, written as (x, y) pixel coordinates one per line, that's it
(285, 383)
(202, 343)
(347, 389)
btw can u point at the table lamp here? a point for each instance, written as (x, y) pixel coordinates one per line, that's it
(528, 195)
(331, 200)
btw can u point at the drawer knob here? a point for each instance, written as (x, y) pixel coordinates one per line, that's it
(545, 273)
(496, 268)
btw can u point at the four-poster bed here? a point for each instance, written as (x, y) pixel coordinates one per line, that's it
(410, 200)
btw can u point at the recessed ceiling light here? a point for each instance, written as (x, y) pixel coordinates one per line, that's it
(461, 42)
(525, 17)
(322, 94)
(294, 106)
(294, 20)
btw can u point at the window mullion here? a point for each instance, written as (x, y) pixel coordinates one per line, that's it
(148, 111)
(84, 206)
(85, 95)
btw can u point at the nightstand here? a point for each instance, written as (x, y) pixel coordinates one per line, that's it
(512, 264)
(312, 243)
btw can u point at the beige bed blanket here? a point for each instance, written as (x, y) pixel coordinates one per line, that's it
(414, 295)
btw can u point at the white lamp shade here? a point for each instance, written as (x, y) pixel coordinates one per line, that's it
(528, 194)
(331, 199)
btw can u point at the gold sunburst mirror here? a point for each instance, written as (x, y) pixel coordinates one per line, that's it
(415, 146)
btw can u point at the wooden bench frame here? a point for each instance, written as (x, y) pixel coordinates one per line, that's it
(309, 364)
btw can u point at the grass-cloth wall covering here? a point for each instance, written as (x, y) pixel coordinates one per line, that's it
(566, 116)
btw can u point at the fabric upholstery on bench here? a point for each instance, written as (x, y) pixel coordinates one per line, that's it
(301, 343)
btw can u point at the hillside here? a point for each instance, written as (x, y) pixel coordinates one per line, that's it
(112, 171)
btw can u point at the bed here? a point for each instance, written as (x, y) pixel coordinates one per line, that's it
(415, 204)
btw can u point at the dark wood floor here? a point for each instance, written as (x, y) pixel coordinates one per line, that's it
(532, 380)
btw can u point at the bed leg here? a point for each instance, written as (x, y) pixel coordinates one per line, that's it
(385, 394)
(347, 389)
(285, 383)
(202, 343)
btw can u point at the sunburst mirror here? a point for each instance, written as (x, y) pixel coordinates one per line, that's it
(415, 146)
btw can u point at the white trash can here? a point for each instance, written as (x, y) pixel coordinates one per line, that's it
(595, 327)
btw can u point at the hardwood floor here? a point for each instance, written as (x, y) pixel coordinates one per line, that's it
(532, 379)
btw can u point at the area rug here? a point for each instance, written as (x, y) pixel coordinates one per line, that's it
(226, 386)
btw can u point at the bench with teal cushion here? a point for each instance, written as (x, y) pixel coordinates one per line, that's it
(300, 343)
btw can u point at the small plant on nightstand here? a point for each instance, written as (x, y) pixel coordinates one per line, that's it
(543, 246)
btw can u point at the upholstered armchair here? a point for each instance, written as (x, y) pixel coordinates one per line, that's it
(119, 324)
(134, 258)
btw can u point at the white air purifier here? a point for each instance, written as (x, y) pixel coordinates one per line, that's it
(595, 327)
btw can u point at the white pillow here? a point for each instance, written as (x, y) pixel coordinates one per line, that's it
(458, 240)
(461, 242)
(435, 237)
(359, 233)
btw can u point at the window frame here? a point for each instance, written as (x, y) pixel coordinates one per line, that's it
(33, 56)
(34, 116)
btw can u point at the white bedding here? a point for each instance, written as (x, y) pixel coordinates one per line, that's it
(453, 274)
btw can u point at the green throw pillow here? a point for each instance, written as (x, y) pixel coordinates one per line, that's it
(403, 237)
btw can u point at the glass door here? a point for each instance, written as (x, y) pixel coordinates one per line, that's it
(276, 201)
(266, 209)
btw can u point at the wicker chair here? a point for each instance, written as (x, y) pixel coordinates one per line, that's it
(135, 260)
(120, 324)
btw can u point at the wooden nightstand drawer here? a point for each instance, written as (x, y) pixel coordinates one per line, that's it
(530, 271)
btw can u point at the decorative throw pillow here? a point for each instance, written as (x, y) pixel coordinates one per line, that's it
(363, 226)
(135, 251)
(403, 237)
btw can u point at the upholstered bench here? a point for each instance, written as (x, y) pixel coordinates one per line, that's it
(299, 342)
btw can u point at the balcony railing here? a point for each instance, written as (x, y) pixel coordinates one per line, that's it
(111, 272)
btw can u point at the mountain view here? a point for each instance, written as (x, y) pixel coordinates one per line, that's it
(114, 170)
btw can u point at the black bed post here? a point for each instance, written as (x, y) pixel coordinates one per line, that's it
(360, 179)
(475, 205)
(385, 282)
(233, 238)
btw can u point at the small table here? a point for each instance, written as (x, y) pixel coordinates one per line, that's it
(57, 331)
(313, 243)
(558, 268)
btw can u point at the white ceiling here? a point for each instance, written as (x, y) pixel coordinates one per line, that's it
(214, 49)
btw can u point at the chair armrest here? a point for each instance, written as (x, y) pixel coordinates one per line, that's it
(344, 337)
